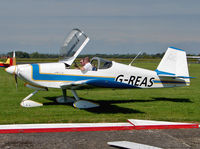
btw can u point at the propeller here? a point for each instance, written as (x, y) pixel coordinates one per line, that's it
(16, 82)
(13, 69)
(14, 63)
(15, 73)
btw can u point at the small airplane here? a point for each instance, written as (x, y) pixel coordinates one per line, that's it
(171, 72)
(9, 62)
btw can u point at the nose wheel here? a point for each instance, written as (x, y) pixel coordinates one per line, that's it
(26, 102)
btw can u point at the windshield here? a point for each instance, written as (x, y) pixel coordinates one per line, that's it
(100, 63)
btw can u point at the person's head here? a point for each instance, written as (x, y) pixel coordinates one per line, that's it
(86, 60)
(82, 62)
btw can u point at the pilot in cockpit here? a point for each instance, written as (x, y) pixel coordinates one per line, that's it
(85, 65)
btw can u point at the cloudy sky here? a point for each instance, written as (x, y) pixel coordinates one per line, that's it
(114, 26)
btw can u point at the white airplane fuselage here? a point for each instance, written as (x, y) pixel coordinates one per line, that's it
(51, 75)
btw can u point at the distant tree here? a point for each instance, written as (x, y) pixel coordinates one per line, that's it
(19, 54)
(35, 55)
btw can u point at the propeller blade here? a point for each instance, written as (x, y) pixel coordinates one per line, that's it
(16, 82)
(14, 59)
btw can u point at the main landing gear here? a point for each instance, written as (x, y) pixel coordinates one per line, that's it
(77, 103)
(80, 104)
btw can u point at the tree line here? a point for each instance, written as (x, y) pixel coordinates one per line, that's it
(20, 54)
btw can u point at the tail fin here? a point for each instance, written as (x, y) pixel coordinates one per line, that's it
(174, 64)
(11, 61)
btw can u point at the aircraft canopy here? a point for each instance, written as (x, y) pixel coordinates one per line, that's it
(73, 45)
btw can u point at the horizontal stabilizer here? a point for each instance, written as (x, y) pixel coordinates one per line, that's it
(171, 75)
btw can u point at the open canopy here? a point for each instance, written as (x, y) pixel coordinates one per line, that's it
(73, 45)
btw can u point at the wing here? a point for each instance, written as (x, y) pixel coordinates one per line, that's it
(94, 83)
(4, 65)
(74, 84)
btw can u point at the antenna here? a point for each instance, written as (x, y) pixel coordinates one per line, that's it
(135, 58)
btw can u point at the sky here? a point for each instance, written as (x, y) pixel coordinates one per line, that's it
(114, 26)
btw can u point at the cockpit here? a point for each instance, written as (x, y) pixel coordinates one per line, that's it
(100, 63)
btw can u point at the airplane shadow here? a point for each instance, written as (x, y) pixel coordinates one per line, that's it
(108, 106)
(173, 99)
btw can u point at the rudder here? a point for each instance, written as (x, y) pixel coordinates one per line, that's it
(174, 62)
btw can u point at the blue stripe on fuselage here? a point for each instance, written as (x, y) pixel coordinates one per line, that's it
(36, 75)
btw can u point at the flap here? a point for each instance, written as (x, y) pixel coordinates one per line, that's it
(73, 85)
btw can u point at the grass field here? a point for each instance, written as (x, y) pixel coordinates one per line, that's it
(169, 104)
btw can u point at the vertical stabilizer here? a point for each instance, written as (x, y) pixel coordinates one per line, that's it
(174, 65)
(174, 62)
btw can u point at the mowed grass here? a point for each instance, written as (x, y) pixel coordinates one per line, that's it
(169, 104)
